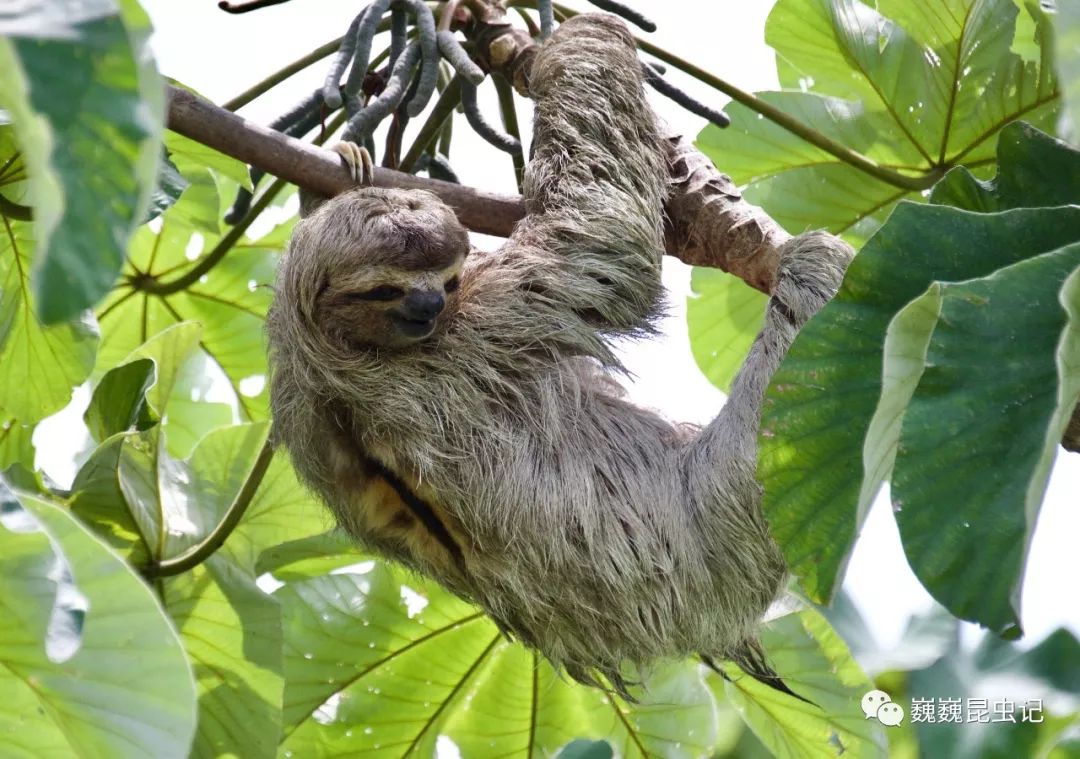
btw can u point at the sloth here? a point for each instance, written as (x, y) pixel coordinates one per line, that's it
(457, 411)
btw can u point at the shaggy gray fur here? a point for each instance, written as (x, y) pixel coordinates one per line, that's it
(591, 529)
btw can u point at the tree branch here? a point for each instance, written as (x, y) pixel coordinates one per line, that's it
(321, 170)
(710, 223)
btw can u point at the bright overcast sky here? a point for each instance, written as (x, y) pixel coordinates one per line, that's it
(221, 55)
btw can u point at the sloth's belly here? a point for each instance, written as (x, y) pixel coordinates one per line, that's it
(395, 514)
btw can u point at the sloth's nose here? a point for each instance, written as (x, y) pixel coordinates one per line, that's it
(423, 305)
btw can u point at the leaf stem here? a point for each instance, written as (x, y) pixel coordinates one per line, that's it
(148, 284)
(279, 76)
(13, 210)
(206, 548)
(432, 128)
(510, 124)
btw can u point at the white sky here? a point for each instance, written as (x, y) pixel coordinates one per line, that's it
(221, 55)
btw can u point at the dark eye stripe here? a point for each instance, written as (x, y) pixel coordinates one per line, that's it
(383, 292)
(452, 284)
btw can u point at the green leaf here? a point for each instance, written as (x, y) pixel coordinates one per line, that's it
(1034, 170)
(39, 365)
(310, 557)
(191, 415)
(115, 490)
(99, 499)
(818, 412)
(724, 316)
(802, 186)
(119, 401)
(182, 375)
(377, 668)
(16, 444)
(230, 628)
(281, 511)
(168, 189)
(156, 507)
(230, 303)
(581, 749)
(1029, 29)
(941, 70)
(191, 157)
(1001, 405)
(88, 108)
(91, 665)
(912, 85)
(813, 660)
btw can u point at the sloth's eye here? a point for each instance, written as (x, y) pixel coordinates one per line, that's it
(452, 284)
(382, 292)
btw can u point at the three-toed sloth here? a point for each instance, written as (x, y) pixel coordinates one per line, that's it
(455, 409)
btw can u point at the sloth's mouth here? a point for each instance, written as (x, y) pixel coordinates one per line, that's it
(413, 327)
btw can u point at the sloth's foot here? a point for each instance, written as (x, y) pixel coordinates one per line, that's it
(358, 162)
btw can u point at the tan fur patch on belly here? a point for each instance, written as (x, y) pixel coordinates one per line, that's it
(383, 506)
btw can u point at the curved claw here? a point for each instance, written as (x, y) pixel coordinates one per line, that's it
(358, 161)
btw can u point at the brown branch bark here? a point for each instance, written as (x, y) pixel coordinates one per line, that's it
(709, 222)
(321, 170)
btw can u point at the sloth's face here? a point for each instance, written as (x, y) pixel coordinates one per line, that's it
(385, 306)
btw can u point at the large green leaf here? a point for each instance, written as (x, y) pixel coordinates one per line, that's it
(229, 302)
(230, 628)
(132, 396)
(814, 661)
(1034, 170)
(191, 412)
(724, 317)
(819, 420)
(942, 70)
(800, 185)
(844, 389)
(88, 107)
(91, 665)
(376, 667)
(154, 507)
(39, 365)
(912, 85)
(1003, 404)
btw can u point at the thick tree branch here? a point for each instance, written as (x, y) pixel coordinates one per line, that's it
(710, 223)
(321, 170)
